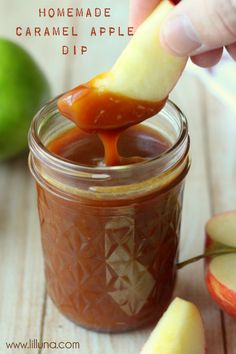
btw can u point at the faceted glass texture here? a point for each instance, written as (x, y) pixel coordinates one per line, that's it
(111, 268)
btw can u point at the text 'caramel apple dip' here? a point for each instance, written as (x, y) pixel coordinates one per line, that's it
(110, 226)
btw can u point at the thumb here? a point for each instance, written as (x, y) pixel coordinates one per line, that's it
(197, 26)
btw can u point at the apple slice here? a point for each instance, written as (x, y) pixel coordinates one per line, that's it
(220, 260)
(180, 331)
(136, 87)
(145, 70)
(220, 233)
(221, 230)
(220, 274)
(221, 282)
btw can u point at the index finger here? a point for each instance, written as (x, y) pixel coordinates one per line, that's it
(140, 9)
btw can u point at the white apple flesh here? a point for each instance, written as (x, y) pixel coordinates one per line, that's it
(222, 229)
(221, 282)
(134, 89)
(179, 331)
(145, 70)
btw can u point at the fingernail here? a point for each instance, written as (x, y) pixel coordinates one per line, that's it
(179, 36)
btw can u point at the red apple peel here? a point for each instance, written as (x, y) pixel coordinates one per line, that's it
(224, 297)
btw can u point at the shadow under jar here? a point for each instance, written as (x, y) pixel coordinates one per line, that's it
(110, 234)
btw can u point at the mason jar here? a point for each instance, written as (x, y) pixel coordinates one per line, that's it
(110, 234)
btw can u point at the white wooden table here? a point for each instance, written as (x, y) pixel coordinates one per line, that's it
(26, 312)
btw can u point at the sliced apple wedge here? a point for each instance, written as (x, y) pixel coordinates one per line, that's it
(221, 229)
(221, 282)
(137, 86)
(180, 331)
(220, 270)
(145, 70)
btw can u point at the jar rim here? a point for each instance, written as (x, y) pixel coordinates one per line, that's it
(40, 150)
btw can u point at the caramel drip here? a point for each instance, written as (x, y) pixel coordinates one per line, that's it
(106, 114)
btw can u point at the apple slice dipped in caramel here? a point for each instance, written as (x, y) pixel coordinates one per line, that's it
(221, 270)
(179, 331)
(135, 88)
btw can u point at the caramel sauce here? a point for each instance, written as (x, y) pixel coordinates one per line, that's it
(110, 263)
(106, 114)
(135, 144)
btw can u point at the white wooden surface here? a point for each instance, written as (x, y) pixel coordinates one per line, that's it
(25, 310)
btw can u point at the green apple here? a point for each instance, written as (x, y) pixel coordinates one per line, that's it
(23, 89)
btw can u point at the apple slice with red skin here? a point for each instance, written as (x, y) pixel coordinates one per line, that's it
(175, 2)
(221, 282)
(221, 269)
(179, 331)
(220, 260)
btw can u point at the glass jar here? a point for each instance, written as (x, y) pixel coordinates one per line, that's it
(110, 234)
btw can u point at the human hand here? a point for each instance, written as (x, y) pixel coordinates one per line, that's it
(196, 28)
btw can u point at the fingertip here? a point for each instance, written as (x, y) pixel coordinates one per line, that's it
(208, 59)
